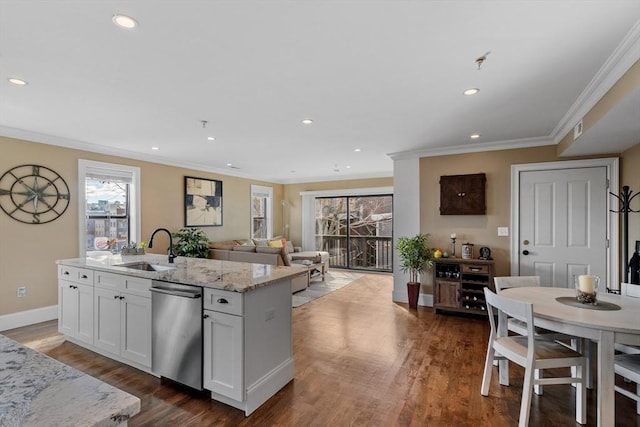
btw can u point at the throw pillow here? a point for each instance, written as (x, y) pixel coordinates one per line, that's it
(261, 242)
(280, 243)
(243, 242)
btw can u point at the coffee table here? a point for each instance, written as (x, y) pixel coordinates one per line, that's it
(313, 267)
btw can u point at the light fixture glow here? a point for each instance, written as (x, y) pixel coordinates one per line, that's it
(211, 138)
(475, 136)
(229, 164)
(155, 148)
(17, 82)
(357, 150)
(124, 21)
(471, 91)
(307, 121)
(348, 167)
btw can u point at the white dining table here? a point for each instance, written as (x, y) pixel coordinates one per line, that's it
(605, 327)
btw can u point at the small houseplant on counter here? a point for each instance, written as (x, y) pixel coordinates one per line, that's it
(191, 242)
(132, 248)
(415, 259)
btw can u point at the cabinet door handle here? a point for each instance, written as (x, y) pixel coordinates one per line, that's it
(525, 252)
(206, 316)
(66, 273)
(121, 298)
(116, 296)
(475, 269)
(222, 301)
(84, 276)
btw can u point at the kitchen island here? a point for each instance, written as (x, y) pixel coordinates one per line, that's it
(36, 390)
(105, 305)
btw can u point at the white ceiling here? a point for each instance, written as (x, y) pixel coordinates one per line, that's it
(382, 76)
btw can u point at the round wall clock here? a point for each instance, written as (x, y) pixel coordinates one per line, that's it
(33, 194)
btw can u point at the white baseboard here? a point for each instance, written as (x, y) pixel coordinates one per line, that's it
(28, 317)
(425, 300)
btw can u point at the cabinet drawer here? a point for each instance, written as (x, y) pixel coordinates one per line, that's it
(119, 282)
(223, 301)
(480, 269)
(76, 274)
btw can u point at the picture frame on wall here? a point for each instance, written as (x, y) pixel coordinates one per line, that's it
(202, 202)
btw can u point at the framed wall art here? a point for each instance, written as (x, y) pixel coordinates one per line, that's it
(202, 202)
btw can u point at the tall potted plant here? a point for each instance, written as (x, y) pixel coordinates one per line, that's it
(415, 259)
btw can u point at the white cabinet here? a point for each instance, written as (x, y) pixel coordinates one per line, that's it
(75, 303)
(247, 344)
(75, 310)
(223, 353)
(123, 319)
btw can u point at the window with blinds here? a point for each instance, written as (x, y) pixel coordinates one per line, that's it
(109, 205)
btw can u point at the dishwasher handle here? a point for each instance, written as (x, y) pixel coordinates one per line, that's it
(178, 293)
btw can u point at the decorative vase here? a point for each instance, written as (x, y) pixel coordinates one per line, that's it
(413, 292)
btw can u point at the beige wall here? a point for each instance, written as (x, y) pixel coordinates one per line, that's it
(481, 230)
(28, 252)
(292, 194)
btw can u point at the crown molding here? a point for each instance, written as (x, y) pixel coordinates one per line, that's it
(41, 138)
(619, 62)
(475, 148)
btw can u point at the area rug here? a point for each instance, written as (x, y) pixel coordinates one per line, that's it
(333, 280)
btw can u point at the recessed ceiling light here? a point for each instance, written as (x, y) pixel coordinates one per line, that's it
(211, 138)
(348, 167)
(155, 148)
(475, 136)
(229, 164)
(357, 150)
(17, 82)
(124, 21)
(471, 91)
(307, 121)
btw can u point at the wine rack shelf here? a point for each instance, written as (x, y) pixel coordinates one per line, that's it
(459, 285)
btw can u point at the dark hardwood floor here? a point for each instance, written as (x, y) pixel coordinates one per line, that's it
(361, 360)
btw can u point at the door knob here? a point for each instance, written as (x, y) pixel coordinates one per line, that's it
(525, 252)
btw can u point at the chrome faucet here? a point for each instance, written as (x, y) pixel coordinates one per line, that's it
(171, 254)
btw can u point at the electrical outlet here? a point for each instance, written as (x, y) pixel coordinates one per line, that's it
(22, 291)
(503, 231)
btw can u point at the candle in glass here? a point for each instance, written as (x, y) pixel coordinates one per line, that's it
(585, 283)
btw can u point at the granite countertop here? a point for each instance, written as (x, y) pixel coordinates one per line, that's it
(208, 273)
(36, 390)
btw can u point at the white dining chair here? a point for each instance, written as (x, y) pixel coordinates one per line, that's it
(518, 327)
(627, 364)
(532, 352)
(632, 291)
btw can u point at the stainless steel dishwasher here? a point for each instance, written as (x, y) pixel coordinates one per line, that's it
(176, 312)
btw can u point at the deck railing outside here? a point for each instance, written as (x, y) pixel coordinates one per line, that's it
(365, 252)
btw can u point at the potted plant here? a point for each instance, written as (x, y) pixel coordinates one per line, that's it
(415, 258)
(191, 242)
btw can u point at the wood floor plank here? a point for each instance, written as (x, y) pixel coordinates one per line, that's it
(360, 360)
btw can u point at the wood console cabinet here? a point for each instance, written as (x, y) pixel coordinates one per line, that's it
(463, 194)
(458, 284)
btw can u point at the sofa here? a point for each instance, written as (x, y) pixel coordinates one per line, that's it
(276, 251)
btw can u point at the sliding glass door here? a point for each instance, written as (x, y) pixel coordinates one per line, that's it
(357, 231)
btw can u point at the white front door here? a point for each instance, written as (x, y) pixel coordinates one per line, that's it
(563, 216)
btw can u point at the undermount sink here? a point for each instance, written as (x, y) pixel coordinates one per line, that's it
(145, 266)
